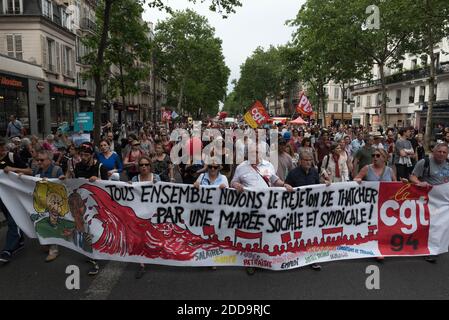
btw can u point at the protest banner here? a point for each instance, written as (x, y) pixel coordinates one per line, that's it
(256, 115)
(180, 225)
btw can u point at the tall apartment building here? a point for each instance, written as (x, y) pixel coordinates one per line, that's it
(334, 104)
(37, 33)
(407, 91)
(41, 65)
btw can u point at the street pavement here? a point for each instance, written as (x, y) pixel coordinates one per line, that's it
(29, 277)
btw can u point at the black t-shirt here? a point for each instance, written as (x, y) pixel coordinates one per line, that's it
(298, 177)
(84, 171)
(17, 163)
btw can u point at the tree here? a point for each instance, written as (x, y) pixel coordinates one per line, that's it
(224, 7)
(129, 48)
(383, 46)
(324, 46)
(429, 26)
(231, 105)
(261, 76)
(190, 57)
(99, 69)
(96, 59)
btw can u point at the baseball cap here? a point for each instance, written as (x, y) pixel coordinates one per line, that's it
(287, 136)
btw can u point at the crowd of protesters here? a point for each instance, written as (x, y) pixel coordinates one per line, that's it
(307, 155)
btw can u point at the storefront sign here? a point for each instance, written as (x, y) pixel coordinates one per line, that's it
(12, 82)
(84, 121)
(62, 91)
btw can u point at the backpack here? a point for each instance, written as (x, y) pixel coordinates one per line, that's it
(426, 171)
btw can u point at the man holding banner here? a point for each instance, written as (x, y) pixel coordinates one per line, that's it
(432, 171)
(256, 174)
(14, 238)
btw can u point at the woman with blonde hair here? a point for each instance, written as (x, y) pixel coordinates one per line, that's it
(378, 170)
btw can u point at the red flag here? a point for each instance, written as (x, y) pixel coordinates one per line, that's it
(304, 106)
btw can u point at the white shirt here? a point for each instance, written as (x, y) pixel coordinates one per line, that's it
(247, 176)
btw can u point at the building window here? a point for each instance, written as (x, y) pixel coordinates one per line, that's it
(358, 102)
(14, 46)
(335, 107)
(398, 96)
(414, 63)
(368, 101)
(65, 18)
(67, 60)
(424, 60)
(437, 60)
(12, 7)
(411, 98)
(47, 9)
(422, 94)
(51, 50)
(337, 93)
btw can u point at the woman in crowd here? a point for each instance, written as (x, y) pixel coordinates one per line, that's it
(334, 166)
(296, 140)
(131, 159)
(145, 175)
(345, 154)
(420, 150)
(110, 160)
(162, 164)
(378, 170)
(49, 144)
(145, 143)
(306, 146)
(73, 158)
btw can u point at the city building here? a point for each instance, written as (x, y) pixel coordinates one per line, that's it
(39, 33)
(407, 91)
(42, 67)
(336, 99)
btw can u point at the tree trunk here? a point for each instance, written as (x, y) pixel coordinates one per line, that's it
(181, 95)
(99, 67)
(122, 91)
(383, 106)
(321, 100)
(429, 122)
(343, 91)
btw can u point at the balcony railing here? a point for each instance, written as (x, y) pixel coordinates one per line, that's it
(51, 68)
(88, 24)
(401, 77)
(69, 74)
(12, 11)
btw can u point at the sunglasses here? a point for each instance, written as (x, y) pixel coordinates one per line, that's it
(144, 165)
(376, 155)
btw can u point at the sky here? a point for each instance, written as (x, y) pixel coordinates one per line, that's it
(256, 23)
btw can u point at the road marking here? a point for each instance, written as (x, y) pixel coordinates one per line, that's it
(105, 281)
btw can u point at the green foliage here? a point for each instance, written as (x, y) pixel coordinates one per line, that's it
(190, 57)
(262, 75)
(128, 49)
(224, 7)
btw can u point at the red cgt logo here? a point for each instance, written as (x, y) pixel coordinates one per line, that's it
(403, 219)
